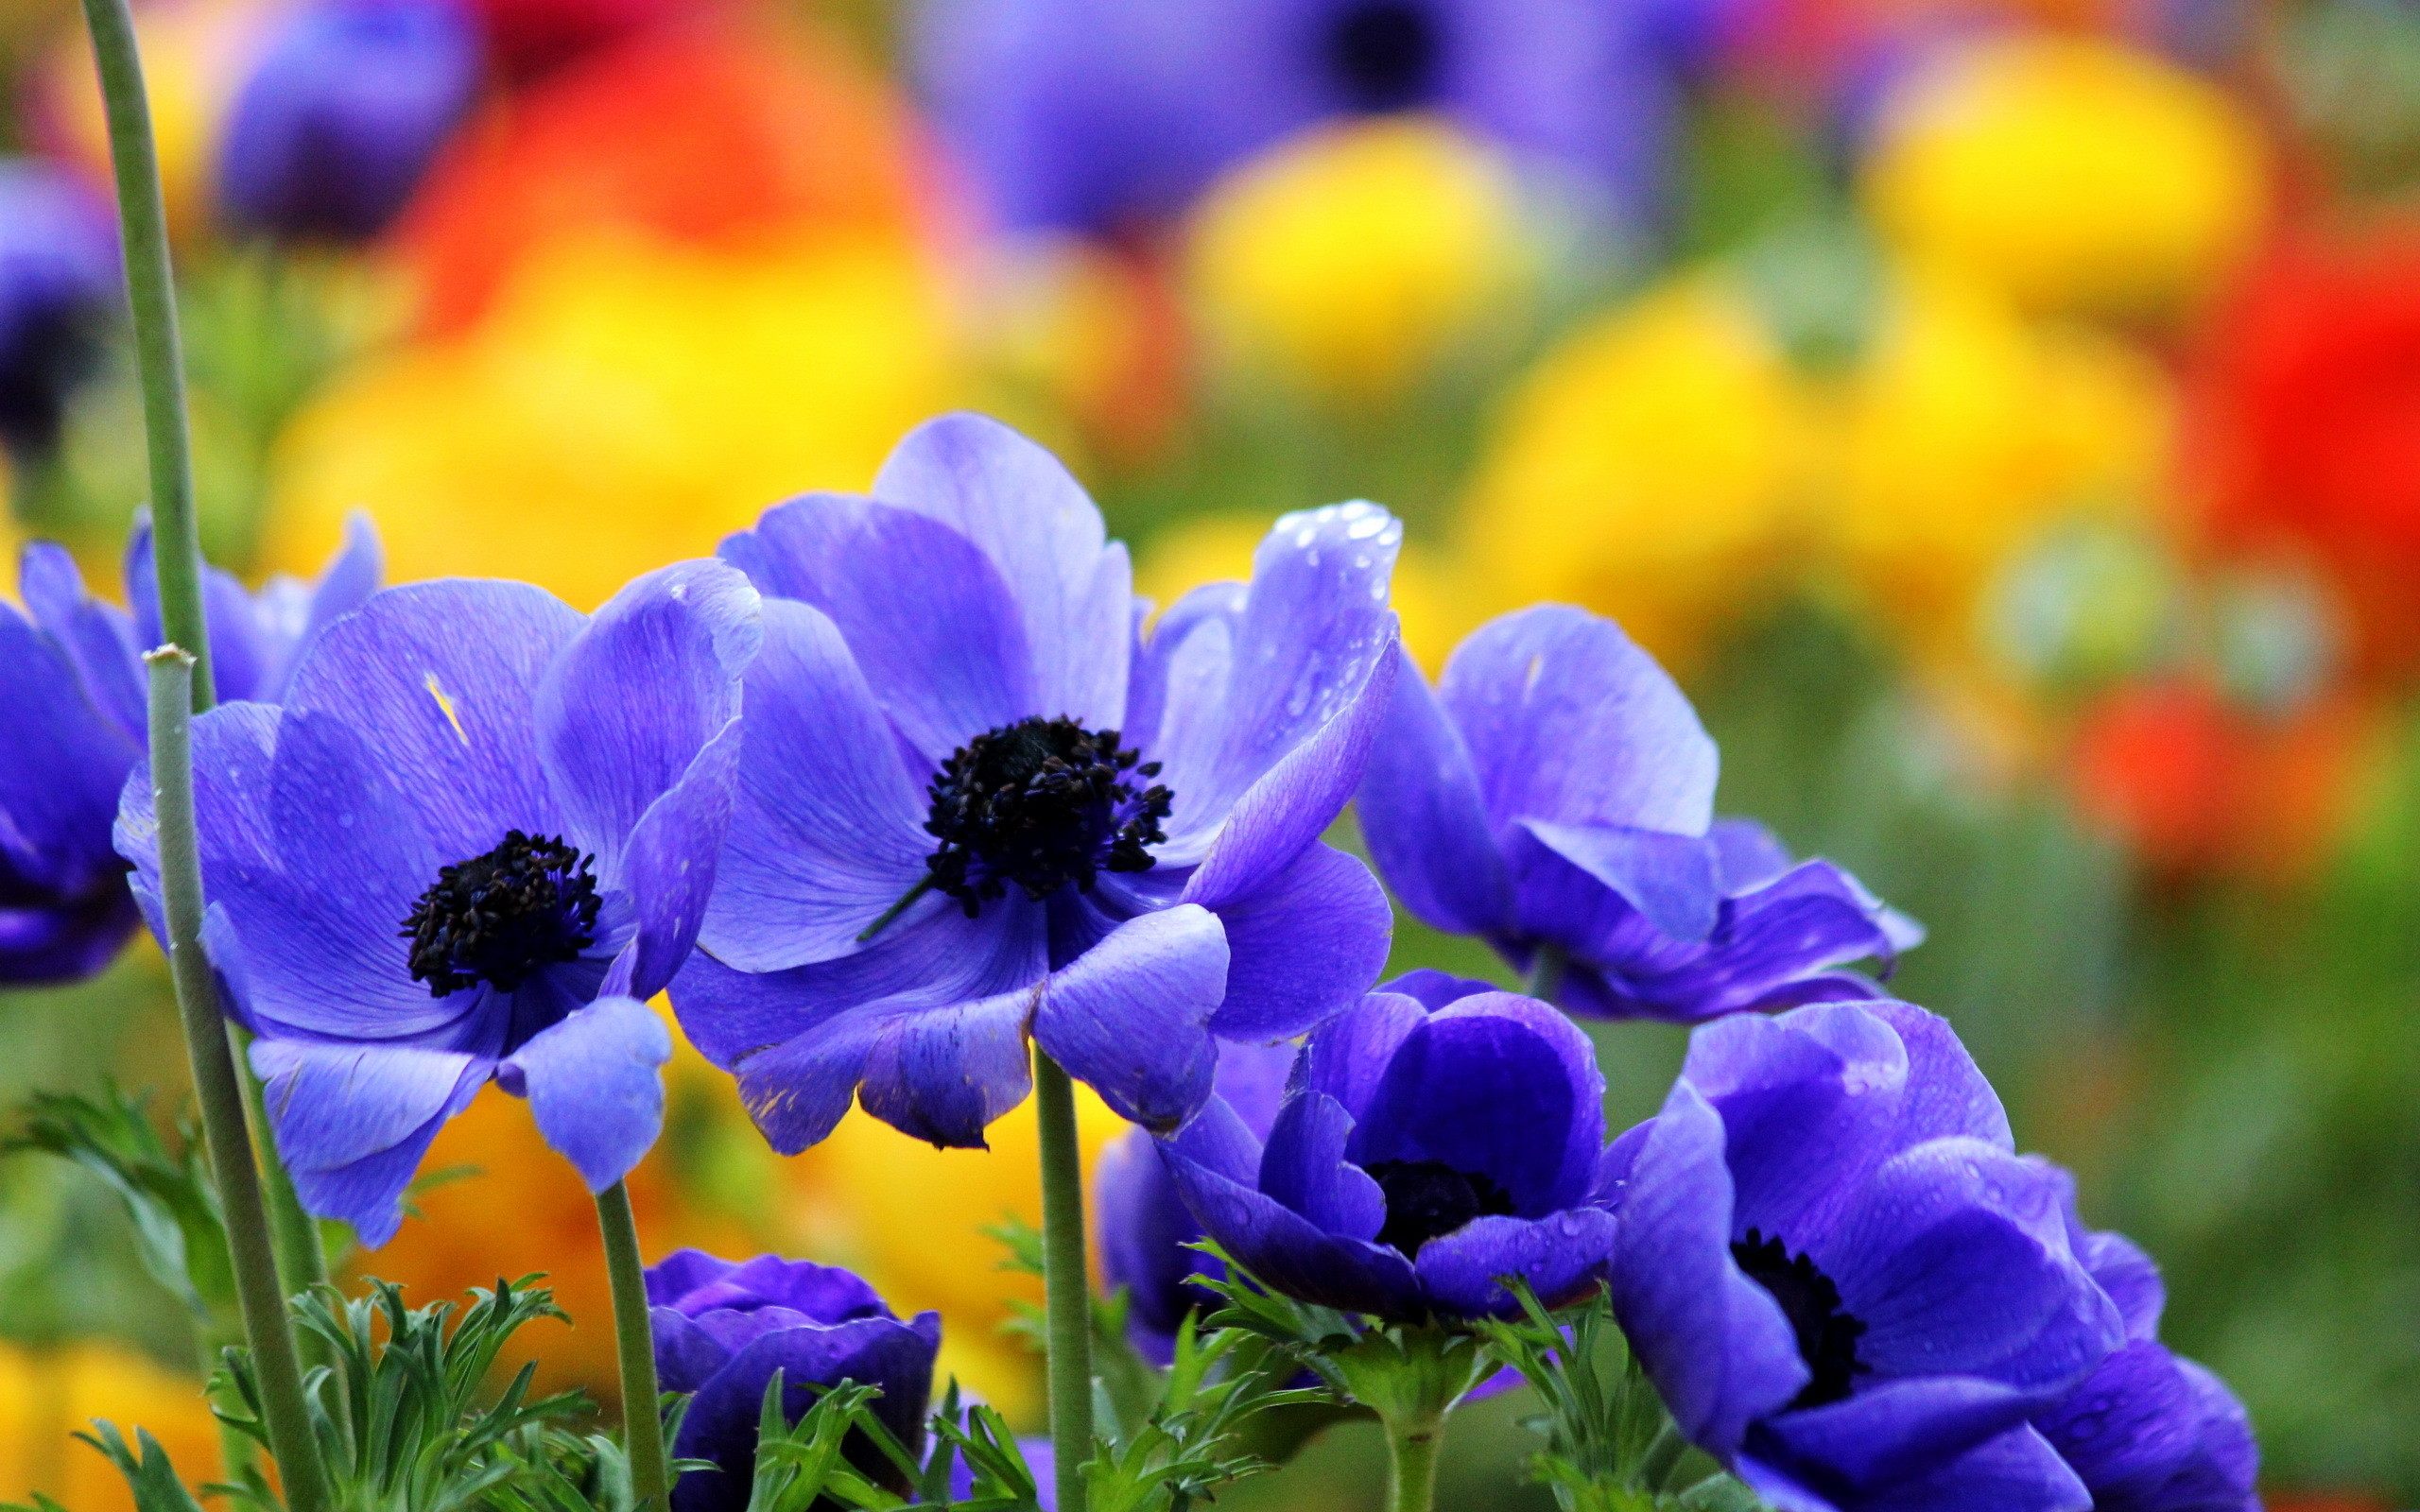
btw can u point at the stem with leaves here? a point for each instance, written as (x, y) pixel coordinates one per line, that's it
(1066, 1293)
(218, 1090)
(634, 1339)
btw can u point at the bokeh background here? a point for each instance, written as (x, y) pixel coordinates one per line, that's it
(2003, 415)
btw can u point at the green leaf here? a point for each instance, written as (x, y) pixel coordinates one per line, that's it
(179, 1234)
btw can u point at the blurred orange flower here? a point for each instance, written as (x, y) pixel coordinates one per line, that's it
(46, 1395)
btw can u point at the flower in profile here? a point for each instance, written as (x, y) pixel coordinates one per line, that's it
(1427, 1147)
(343, 113)
(722, 1328)
(1555, 793)
(74, 664)
(58, 283)
(1844, 1283)
(1115, 850)
(477, 836)
(2148, 1431)
(1093, 115)
(1144, 1230)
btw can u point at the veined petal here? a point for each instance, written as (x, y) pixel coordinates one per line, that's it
(1424, 818)
(595, 1082)
(1131, 1016)
(669, 866)
(1305, 945)
(1560, 1255)
(354, 1121)
(96, 639)
(1304, 1166)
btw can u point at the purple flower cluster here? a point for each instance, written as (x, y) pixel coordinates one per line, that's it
(904, 789)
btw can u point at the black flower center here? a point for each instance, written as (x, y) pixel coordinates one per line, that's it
(1426, 1199)
(1827, 1334)
(1384, 54)
(500, 917)
(1040, 803)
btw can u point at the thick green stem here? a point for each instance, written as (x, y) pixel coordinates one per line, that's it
(176, 540)
(1412, 1447)
(221, 1092)
(634, 1338)
(301, 1259)
(1066, 1293)
(1546, 972)
(150, 292)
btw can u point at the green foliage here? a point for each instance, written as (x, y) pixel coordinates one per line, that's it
(163, 1185)
(1611, 1445)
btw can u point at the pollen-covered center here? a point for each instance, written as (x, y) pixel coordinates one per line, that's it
(502, 917)
(1426, 1199)
(1040, 803)
(1827, 1333)
(1385, 54)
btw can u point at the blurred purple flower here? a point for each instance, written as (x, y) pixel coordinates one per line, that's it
(2150, 1431)
(74, 675)
(349, 103)
(1144, 1227)
(60, 283)
(1556, 791)
(477, 837)
(1095, 114)
(1424, 1149)
(723, 1328)
(1846, 1285)
(1115, 848)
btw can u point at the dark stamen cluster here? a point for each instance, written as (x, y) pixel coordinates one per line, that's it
(1827, 1334)
(1385, 55)
(1428, 1199)
(499, 918)
(1040, 803)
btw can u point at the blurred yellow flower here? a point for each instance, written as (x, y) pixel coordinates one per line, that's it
(1967, 434)
(1436, 610)
(911, 1218)
(1349, 260)
(196, 54)
(2069, 171)
(627, 402)
(1650, 468)
(45, 1395)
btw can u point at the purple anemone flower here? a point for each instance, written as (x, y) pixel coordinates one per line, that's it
(1847, 1286)
(1424, 1149)
(58, 285)
(973, 807)
(73, 669)
(475, 838)
(1143, 1225)
(2149, 1430)
(1555, 791)
(343, 113)
(723, 1328)
(1094, 114)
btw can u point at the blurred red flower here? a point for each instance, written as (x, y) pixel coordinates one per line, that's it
(725, 132)
(2306, 440)
(528, 37)
(2193, 783)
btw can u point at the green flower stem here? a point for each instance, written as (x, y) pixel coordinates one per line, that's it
(151, 290)
(634, 1339)
(1066, 1293)
(301, 1259)
(220, 1090)
(1412, 1447)
(1546, 972)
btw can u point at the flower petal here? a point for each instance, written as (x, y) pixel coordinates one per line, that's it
(353, 1121)
(239, 654)
(1567, 720)
(1719, 1347)
(345, 584)
(957, 667)
(1425, 819)
(626, 706)
(96, 639)
(943, 1074)
(595, 1081)
(1130, 1017)
(1313, 627)
(721, 1422)
(1305, 945)
(444, 677)
(1560, 1256)
(1287, 1252)
(1073, 589)
(669, 866)
(1304, 1167)
(827, 826)
(1348, 1055)
(1893, 1432)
